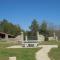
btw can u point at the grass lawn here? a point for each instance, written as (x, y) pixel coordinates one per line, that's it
(54, 54)
(6, 44)
(20, 53)
(50, 43)
(27, 53)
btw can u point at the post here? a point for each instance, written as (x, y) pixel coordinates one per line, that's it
(54, 36)
(26, 37)
(6, 36)
(22, 37)
(38, 38)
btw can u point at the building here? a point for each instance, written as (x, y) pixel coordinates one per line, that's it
(20, 39)
(5, 36)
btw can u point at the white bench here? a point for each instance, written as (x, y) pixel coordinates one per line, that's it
(12, 58)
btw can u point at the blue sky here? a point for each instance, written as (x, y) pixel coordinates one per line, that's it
(22, 12)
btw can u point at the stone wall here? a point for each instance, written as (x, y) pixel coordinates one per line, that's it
(53, 38)
(40, 37)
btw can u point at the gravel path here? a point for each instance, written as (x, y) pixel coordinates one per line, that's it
(19, 46)
(42, 54)
(16, 46)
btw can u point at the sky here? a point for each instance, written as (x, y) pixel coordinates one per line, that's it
(23, 12)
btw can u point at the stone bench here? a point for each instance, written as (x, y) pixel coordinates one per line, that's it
(12, 58)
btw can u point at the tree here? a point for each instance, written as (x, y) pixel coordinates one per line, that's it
(1, 28)
(43, 27)
(34, 26)
(9, 28)
(51, 28)
(43, 30)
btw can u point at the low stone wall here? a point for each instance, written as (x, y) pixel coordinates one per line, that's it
(41, 38)
(52, 38)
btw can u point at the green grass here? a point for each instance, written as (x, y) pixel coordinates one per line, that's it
(20, 53)
(4, 44)
(50, 43)
(27, 53)
(55, 54)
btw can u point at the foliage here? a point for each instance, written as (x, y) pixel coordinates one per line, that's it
(43, 30)
(9, 28)
(34, 27)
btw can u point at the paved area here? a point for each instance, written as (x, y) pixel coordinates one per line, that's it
(43, 53)
(19, 46)
(16, 46)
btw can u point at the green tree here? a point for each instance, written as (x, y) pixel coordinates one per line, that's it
(1, 29)
(9, 28)
(34, 26)
(43, 27)
(43, 30)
